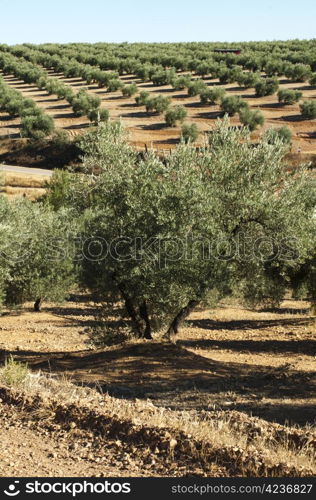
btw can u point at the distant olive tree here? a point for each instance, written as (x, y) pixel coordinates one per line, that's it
(288, 96)
(129, 90)
(308, 109)
(266, 86)
(175, 114)
(189, 132)
(233, 104)
(251, 118)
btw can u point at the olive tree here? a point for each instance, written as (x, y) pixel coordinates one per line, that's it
(251, 118)
(175, 114)
(160, 234)
(37, 252)
(233, 104)
(308, 109)
(212, 95)
(189, 132)
(266, 86)
(289, 96)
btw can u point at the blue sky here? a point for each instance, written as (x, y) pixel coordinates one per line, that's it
(64, 21)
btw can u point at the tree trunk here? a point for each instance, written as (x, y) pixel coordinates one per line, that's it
(38, 305)
(179, 318)
(144, 315)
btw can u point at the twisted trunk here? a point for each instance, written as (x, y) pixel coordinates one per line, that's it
(179, 318)
(38, 304)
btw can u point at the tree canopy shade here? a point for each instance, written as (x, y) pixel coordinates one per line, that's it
(161, 234)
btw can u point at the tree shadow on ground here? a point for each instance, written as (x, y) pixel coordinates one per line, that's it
(210, 115)
(248, 324)
(135, 114)
(255, 346)
(291, 118)
(273, 105)
(174, 140)
(172, 376)
(153, 126)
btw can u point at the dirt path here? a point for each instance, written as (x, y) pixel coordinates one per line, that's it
(25, 170)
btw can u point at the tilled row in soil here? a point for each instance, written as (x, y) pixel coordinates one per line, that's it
(156, 451)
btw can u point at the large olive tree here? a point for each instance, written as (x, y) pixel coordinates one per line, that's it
(160, 234)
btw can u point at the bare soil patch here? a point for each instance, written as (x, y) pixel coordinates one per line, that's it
(262, 363)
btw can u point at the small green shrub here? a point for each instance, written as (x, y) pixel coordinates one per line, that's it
(283, 133)
(13, 373)
(37, 126)
(174, 114)
(308, 109)
(157, 104)
(142, 98)
(288, 96)
(129, 90)
(212, 95)
(312, 80)
(189, 133)
(251, 119)
(98, 115)
(266, 86)
(196, 88)
(233, 104)
(114, 84)
(181, 82)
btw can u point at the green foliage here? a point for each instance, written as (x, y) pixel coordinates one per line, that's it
(283, 134)
(212, 95)
(227, 75)
(36, 126)
(196, 88)
(181, 82)
(175, 114)
(251, 118)
(160, 258)
(298, 72)
(36, 251)
(308, 109)
(129, 90)
(114, 84)
(163, 77)
(157, 104)
(266, 86)
(248, 80)
(13, 374)
(288, 96)
(312, 80)
(233, 104)
(189, 132)
(98, 115)
(83, 103)
(142, 98)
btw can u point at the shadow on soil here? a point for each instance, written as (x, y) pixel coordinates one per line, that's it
(174, 377)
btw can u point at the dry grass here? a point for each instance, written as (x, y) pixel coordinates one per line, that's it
(220, 429)
(30, 186)
(25, 180)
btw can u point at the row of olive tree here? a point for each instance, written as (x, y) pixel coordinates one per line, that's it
(81, 102)
(35, 124)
